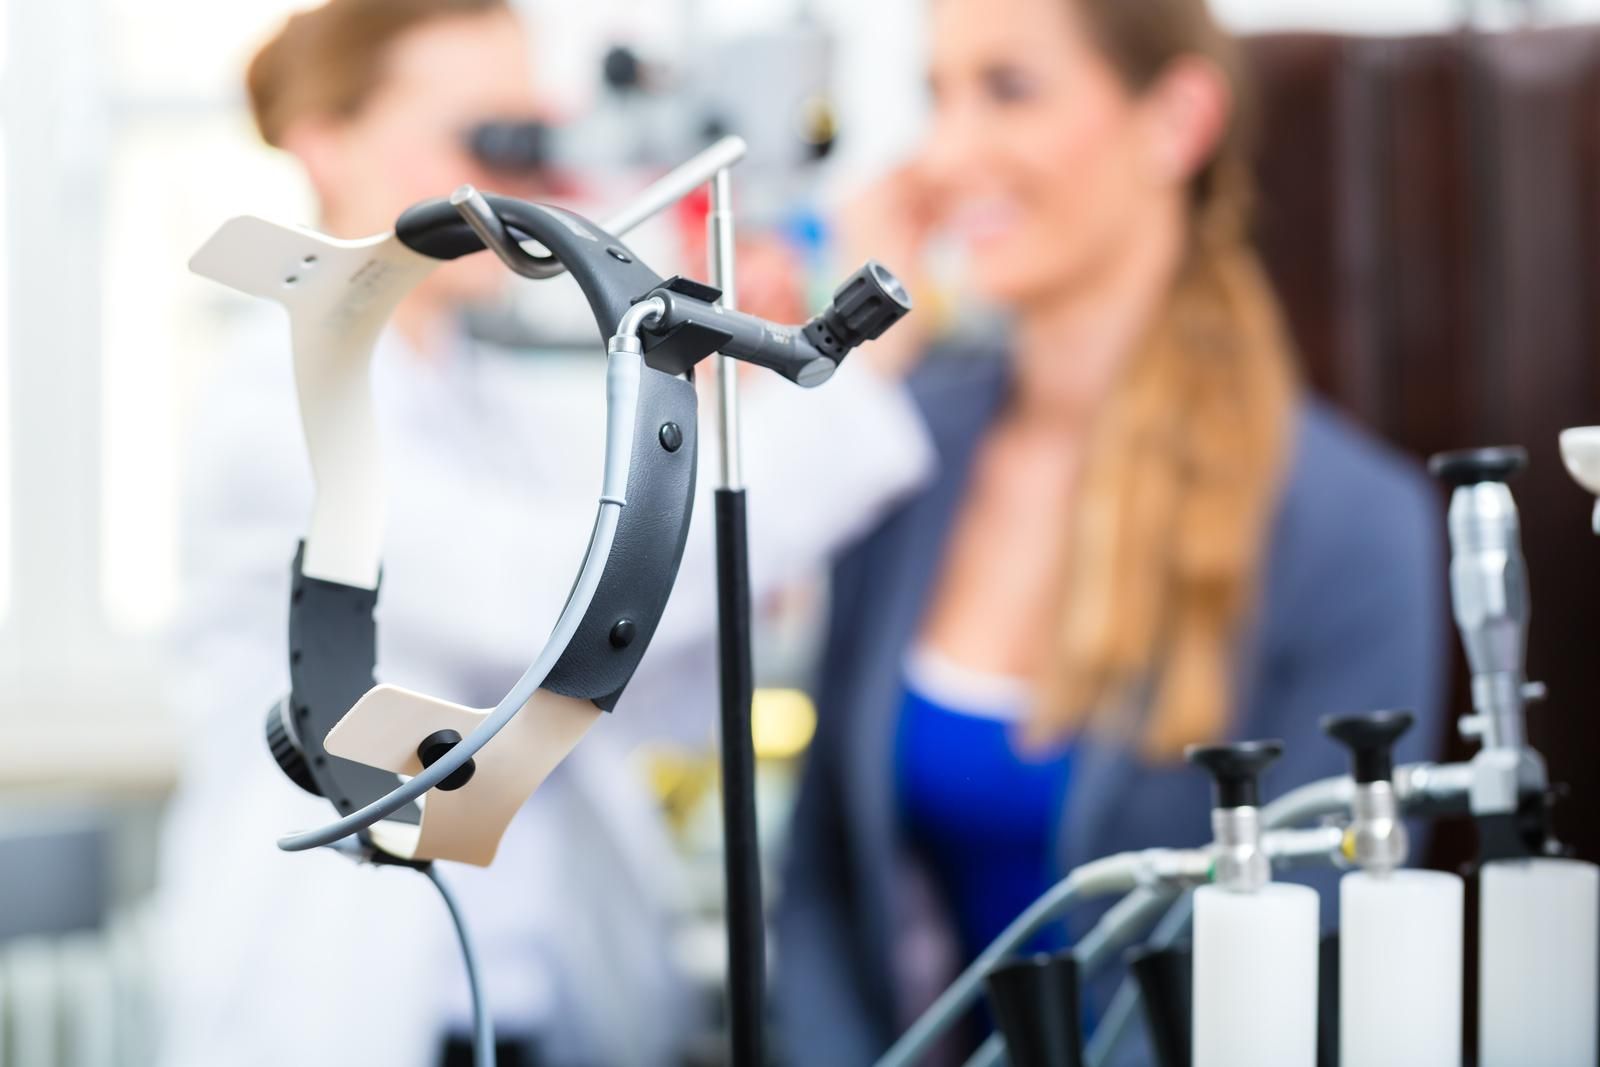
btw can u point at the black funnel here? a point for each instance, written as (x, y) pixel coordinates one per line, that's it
(1166, 993)
(1036, 1008)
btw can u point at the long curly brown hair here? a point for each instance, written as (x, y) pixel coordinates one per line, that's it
(1183, 471)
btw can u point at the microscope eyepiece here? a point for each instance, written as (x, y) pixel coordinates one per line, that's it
(511, 145)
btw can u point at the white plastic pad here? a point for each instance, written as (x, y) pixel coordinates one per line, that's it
(339, 295)
(464, 824)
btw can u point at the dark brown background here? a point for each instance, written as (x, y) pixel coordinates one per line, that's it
(1431, 214)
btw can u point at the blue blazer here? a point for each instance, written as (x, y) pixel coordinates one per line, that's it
(1353, 618)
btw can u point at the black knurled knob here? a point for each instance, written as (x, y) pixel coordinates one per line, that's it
(1370, 737)
(1476, 465)
(868, 302)
(1235, 769)
(290, 759)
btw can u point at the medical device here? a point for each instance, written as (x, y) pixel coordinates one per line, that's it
(414, 778)
(1538, 940)
(1389, 1013)
(1255, 941)
(1538, 965)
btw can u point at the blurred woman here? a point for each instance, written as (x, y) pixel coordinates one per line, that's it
(1143, 533)
(308, 959)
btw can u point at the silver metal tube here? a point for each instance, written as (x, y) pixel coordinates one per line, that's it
(636, 318)
(1330, 796)
(719, 241)
(1489, 595)
(1320, 846)
(1379, 841)
(1241, 866)
(1420, 786)
(652, 200)
(676, 184)
(492, 231)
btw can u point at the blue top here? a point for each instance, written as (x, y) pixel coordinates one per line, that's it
(1353, 616)
(980, 815)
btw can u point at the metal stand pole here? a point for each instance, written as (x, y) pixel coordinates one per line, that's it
(746, 917)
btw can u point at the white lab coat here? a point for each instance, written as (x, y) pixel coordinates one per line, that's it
(493, 470)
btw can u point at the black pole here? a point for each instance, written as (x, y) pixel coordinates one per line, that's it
(746, 918)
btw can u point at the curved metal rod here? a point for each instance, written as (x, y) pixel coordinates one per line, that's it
(655, 198)
(497, 238)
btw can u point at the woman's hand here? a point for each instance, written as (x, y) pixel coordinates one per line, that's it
(890, 221)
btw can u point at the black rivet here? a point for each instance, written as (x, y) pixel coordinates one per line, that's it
(435, 747)
(671, 437)
(619, 255)
(622, 633)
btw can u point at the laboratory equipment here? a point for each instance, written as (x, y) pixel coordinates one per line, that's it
(340, 736)
(1255, 941)
(1399, 931)
(1539, 949)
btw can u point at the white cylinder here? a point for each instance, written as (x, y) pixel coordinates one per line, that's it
(1255, 977)
(1400, 940)
(1538, 963)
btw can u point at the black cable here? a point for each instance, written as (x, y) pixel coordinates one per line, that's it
(747, 953)
(482, 1021)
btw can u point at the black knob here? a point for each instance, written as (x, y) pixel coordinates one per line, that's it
(435, 747)
(1236, 769)
(286, 749)
(869, 302)
(1475, 465)
(1370, 737)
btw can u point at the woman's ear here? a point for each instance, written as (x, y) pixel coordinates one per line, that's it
(1187, 113)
